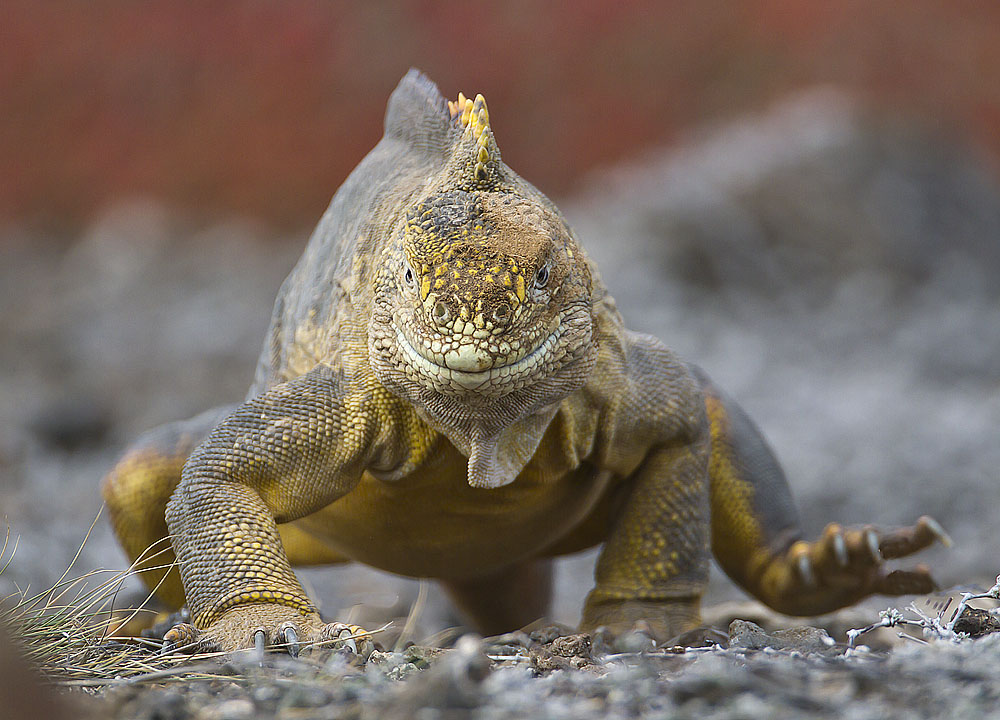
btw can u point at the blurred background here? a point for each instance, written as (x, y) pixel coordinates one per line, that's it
(803, 198)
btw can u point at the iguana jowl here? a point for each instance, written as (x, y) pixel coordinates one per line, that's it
(448, 391)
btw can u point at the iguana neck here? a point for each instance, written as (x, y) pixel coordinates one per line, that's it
(497, 455)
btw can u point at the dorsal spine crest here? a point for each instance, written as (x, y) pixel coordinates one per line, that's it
(474, 116)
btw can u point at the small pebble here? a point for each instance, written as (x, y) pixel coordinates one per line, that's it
(238, 709)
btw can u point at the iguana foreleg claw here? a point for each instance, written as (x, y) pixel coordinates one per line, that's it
(262, 627)
(288, 638)
(291, 641)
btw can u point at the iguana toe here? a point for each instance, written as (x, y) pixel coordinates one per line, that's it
(908, 540)
(917, 581)
(181, 638)
(351, 637)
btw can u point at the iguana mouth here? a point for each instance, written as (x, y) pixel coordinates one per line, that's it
(518, 369)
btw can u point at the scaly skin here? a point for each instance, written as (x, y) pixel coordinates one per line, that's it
(448, 391)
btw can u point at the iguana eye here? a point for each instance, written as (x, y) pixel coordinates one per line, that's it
(542, 276)
(408, 275)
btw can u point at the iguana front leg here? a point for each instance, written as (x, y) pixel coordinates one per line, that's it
(278, 457)
(654, 565)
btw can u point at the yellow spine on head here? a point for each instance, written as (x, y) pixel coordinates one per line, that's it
(474, 116)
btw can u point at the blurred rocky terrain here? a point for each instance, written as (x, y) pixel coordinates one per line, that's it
(837, 273)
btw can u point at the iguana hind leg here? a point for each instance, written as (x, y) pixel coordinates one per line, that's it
(757, 540)
(136, 493)
(507, 600)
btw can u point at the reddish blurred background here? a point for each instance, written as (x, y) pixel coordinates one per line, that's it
(261, 108)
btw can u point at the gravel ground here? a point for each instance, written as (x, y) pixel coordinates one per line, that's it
(836, 273)
(566, 677)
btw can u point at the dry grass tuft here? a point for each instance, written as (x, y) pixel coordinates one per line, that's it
(65, 631)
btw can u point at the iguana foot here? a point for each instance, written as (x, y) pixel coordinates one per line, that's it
(267, 626)
(846, 565)
(658, 619)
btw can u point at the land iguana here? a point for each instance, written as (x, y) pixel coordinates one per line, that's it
(448, 391)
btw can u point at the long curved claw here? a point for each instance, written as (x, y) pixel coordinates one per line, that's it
(288, 634)
(291, 641)
(871, 540)
(840, 550)
(830, 551)
(260, 645)
(934, 528)
(805, 569)
(348, 640)
(798, 559)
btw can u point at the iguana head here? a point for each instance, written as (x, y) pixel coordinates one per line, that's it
(483, 310)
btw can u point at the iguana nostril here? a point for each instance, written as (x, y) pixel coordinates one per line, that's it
(441, 312)
(502, 313)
